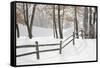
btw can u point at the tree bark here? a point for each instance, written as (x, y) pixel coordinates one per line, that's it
(94, 23)
(32, 18)
(85, 24)
(76, 24)
(26, 19)
(54, 23)
(90, 23)
(59, 23)
(17, 28)
(29, 30)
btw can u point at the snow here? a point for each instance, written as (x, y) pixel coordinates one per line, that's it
(83, 50)
(41, 40)
(36, 31)
(42, 32)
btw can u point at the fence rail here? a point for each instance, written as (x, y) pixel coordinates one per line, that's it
(67, 43)
(37, 45)
(36, 52)
(27, 46)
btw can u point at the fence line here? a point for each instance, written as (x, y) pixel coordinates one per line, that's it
(67, 43)
(67, 38)
(36, 52)
(27, 46)
(37, 46)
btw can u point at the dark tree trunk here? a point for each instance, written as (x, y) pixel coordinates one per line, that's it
(85, 24)
(32, 18)
(26, 19)
(29, 30)
(94, 23)
(59, 23)
(54, 23)
(25, 12)
(17, 28)
(76, 24)
(28, 27)
(90, 23)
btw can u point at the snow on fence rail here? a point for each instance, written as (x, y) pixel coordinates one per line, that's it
(37, 45)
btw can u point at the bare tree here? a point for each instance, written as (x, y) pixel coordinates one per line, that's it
(54, 24)
(32, 18)
(26, 18)
(17, 28)
(62, 17)
(19, 19)
(25, 13)
(76, 23)
(96, 21)
(85, 23)
(92, 22)
(59, 23)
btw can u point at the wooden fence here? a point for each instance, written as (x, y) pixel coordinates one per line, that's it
(37, 45)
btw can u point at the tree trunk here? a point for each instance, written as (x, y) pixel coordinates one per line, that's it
(90, 23)
(85, 24)
(94, 22)
(29, 30)
(59, 23)
(26, 19)
(32, 18)
(17, 28)
(54, 23)
(93, 25)
(76, 24)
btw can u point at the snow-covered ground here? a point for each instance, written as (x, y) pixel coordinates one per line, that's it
(83, 50)
(41, 32)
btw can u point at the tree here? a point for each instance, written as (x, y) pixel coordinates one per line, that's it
(19, 19)
(96, 20)
(76, 23)
(59, 23)
(54, 24)
(85, 23)
(62, 17)
(32, 18)
(26, 18)
(92, 22)
(17, 28)
(25, 13)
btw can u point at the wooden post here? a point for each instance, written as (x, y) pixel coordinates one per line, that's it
(60, 47)
(82, 33)
(37, 50)
(73, 38)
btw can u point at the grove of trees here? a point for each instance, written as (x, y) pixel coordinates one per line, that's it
(59, 16)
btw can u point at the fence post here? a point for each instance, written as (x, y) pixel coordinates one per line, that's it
(73, 38)
(82, 33)
(37, 50)
(60, 47)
